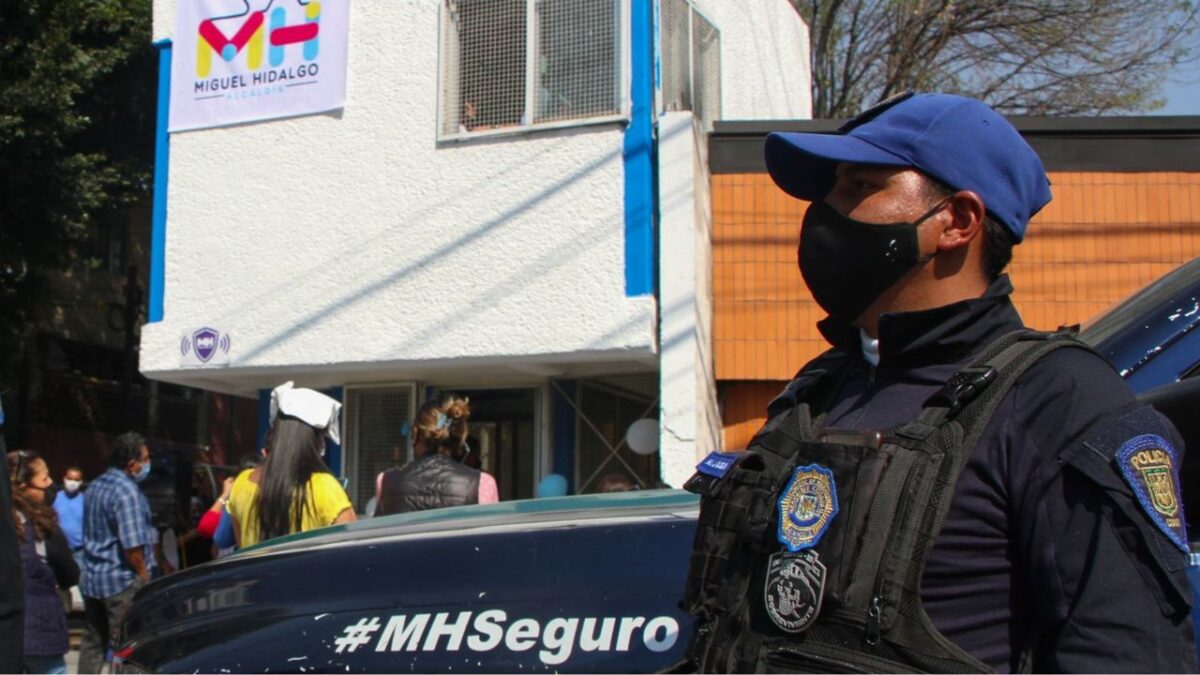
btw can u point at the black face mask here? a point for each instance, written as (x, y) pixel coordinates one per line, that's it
(847, 263)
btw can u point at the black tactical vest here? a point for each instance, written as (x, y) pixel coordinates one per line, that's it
(430, 482)
(861, 510)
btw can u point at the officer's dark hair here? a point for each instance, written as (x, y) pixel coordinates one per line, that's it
(126, 448)
(998, 242)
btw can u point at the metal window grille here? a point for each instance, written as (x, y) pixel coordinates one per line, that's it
(607, 406)
(691, 62)
(375, 417)
(578, 52)
(514, 63)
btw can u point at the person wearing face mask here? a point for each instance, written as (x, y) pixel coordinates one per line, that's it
(943, 490)
(69, 505)
(47, 562)
(118, 542)
(293, 490)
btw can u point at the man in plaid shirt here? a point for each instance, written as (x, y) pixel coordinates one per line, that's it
(118, 540)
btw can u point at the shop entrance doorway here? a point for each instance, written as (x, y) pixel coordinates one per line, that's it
(504, 437)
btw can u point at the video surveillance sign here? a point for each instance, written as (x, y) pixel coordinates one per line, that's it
(205, 347)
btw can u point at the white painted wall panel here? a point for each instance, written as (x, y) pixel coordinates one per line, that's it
(764, 59)
(355, 238)
(689, 421)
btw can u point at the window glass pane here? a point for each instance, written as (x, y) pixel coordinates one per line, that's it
(706, 70)
(577, 58)
(487, 90)
(676, 75)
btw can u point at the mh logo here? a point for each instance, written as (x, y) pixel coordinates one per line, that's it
(255, 33)
(206, 343)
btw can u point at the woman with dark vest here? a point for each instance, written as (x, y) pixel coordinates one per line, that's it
(437, 477)
(47, 562)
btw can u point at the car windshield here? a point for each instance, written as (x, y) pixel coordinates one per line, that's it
(1165, 290)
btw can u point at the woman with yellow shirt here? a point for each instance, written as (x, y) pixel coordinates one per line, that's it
(293, 490)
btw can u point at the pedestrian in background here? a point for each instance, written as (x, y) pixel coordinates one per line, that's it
(293, 490)
(69, 505)
(46, 561)
(438, 476)
(614, 482)
(118, 541)
(12, 595)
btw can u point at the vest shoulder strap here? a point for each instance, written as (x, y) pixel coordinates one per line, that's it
(972, 395)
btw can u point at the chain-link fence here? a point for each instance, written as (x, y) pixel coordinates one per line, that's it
(691, 62)
(513, 63)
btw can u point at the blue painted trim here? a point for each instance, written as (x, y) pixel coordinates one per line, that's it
(264, 416)
(333, 451)
(563, 432)
(638, 152)
(158, 221)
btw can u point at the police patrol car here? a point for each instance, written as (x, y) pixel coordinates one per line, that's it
(580, 584)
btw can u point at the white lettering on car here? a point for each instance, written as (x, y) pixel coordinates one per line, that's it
(521, 635)
(398, 630)
(558, 637)
(625, 634)
(487, 625)
(559, 640)
(588, 641)
(670, 631)
(454, 631)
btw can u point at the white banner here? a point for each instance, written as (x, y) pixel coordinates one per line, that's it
(244, 60)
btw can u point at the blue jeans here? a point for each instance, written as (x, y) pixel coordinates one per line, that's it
(49, 665)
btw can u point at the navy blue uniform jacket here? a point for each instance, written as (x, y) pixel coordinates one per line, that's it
(1036, 559)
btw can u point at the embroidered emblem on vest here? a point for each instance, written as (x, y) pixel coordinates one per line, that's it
(806, 507)
(1149, 465)
(794, 589)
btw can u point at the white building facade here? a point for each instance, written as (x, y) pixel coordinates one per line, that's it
(512, 204)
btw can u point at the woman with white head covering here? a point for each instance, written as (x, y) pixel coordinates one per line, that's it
(293, 490)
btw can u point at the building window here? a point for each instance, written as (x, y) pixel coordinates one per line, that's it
(607, 406)
(691, 62)
(375, 440)
(507, 65)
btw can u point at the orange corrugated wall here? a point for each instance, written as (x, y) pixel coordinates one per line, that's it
(1104, 236)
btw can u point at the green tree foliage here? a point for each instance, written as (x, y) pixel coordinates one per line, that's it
(76, 140)
(1031, 57)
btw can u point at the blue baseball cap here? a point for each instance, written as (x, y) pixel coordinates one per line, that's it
(958, 141)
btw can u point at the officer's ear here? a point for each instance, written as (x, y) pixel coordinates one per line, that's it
(963, 222)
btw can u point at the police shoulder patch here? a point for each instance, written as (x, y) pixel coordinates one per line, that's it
(1151, 467)
(807, 507)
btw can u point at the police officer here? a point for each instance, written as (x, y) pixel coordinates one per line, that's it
(942, 490)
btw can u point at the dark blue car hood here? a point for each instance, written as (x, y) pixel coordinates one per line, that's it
(571, 584)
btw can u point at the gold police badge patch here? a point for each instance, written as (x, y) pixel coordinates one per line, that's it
(1149, 465)
(806, 507)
